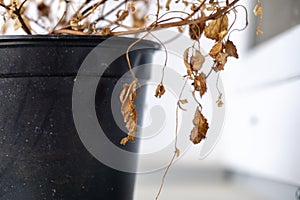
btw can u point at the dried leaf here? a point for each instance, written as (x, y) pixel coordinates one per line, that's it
(168, 4)
(194, 7)
(17, 24)
(128, 110)
(258, 9)
(183, 101)
(200, 127)
(217, 28)
(219, 67)
(122, 14)
(221, 61)
(219, 101)
(193, 62)
(105, 31)
(177, 152)
(259, 31)
(131, 6)
(216, 49)
(74, 23)
(44, 10)
(196, 30)
(222, 58)
(200, 84)
(138, 21)
(180, 29)
(230, 49)
(160, 90)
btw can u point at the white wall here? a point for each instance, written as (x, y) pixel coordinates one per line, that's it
(261, 134)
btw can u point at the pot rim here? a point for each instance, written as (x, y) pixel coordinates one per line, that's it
(67, 38)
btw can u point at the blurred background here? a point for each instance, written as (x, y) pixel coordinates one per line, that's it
(258, 154)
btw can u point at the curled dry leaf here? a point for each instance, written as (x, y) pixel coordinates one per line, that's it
(200, 127)
(17, 24)
(131, 6)
(258, 9)
(128, 110)
(122, 14)
(75, 23)
(194, 62)
(196, 30)
(160, 90)
(221, 60)
(177, 152)
(230, 49)
(220, 52)
(182, 101)
(216, 49)
(138, 21)
(43, 9)
(200, 84)
(217, 28)
(219, 101)
(168, 4)
(180, 29)
(259, 31)
(105, 30)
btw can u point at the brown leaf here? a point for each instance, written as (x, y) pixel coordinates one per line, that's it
(182, 101)
(168, 4)
(259, 31)
(258, 9)
(200, 127)
(216, 49)
(128, 110)
(122, 14)
(105, 30)
(177, 152)
(193, 62)
(230, 49)
(221, 60)
(180, 29)
(196, 30)
(219, 101)
(17, 24)
(44, 10)
(160, 90)
(217, 28)
(200, 84)
(138, 18)
(131, 6)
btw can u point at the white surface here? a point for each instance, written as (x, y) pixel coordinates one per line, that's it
(209, 184)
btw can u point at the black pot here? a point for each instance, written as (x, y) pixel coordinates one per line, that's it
(41, 154)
